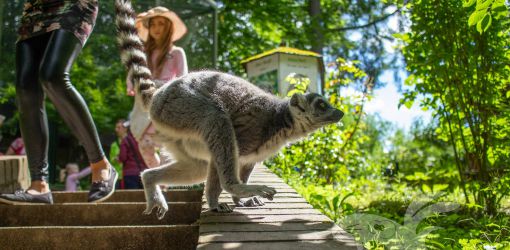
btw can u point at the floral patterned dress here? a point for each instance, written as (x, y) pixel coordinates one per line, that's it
(43, 16)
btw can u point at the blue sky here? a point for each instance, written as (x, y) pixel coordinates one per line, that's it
(385, 102)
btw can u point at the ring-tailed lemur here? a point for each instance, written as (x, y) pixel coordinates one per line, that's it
(217, 126)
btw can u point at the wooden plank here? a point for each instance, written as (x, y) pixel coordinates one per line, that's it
(13, 173)
(3, 178)
(100, 237)
(264, 218)
(285, 190)
(8, 173)
(278, 195)
(275, 200)
(267, 227)
(285, 245)
(268, 236)
(268, 183)
(266, 211)
(303, 205)
(274, 185)
(95, 214)
(129, 195)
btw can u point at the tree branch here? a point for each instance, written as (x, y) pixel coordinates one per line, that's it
(370, 23)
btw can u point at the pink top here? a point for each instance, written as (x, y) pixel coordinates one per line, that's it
(174, 66)
(18, 146)
(72, 180)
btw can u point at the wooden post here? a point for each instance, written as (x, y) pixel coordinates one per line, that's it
(2, 7)
(14, 173)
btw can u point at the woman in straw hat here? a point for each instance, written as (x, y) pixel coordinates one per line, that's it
(159, 28)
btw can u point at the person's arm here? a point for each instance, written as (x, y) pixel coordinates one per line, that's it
(123, 150)
(130, 90)
(84, 172)
(62, 175)
(16, 145)
(72, 178)
(174, 66)
(114, 152)
(181, 63)
(10, 151)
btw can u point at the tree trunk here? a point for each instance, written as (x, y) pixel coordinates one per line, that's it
(316, 34)
(314, 9)
(2, 7)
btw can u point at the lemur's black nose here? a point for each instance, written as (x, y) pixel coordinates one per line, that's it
(337, 115)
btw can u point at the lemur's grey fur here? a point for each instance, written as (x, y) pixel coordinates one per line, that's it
(217, 126)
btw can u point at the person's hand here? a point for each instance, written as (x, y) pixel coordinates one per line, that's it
(62, 175)
(130, 91)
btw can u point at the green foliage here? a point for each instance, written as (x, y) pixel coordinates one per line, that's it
(464, 77)
(300, 84)
(326, 156)
(337, 183)
(485, 11)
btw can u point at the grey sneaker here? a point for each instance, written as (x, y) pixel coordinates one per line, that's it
(102, 190)
(22, 197)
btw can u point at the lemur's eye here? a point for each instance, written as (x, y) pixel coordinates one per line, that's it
(322, 104)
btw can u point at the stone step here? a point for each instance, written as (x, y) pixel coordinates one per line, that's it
(100, 237)
(96, 214)
(173, 195)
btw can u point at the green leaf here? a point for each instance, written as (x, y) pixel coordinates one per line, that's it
(409, 104)
(426, 188)
(468, 3)
(484, 24)
(499, 9)
(483, 4)
(440, 187)
(336, 201)
(476, 17)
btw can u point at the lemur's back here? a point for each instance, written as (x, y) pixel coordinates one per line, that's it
(192, 102)
(223, 90)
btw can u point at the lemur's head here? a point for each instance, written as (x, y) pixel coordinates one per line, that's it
(314, 110)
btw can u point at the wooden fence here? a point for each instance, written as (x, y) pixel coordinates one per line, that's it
(14, 173)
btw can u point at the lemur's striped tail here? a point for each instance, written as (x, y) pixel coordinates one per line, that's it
(132, 52)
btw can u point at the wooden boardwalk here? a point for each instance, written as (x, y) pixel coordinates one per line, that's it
(287, 222)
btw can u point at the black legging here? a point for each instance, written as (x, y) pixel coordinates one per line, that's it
(42, 68)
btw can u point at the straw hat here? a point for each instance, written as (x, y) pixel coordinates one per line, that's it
(142, 22)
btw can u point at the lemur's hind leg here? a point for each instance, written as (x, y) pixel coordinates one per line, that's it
(174, 173)
(218, 133)
(255, 201)
(213, 190)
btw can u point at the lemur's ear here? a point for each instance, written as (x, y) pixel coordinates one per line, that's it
(297, 100)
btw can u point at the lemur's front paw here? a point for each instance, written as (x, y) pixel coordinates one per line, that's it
(242, 191)
(254, 201)
(159, 202)
(222, 208)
